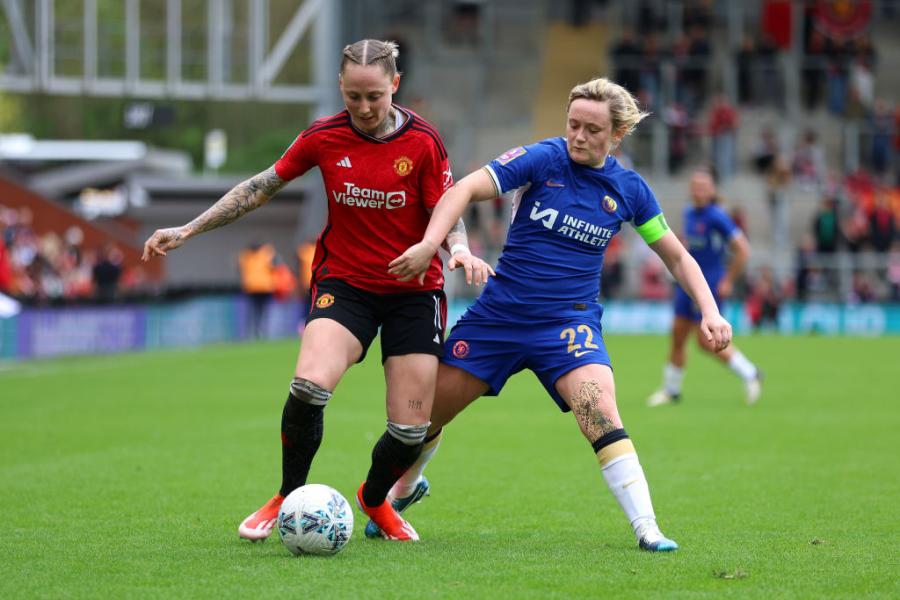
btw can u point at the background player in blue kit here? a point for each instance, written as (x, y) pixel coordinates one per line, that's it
(541, 310)
(711, 237)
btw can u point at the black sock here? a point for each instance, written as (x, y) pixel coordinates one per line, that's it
(390, 459)
(302, 425)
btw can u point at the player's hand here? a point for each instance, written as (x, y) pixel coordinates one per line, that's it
(162, 241)
(413, 263)
(725, 288)
(717, 331)
(477, 270)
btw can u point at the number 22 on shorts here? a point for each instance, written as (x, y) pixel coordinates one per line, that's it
(570, 333)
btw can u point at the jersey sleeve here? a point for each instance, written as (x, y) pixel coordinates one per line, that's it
(648, 220)
(724, 224)
(437, 176)
(518, 166)
(299, 158)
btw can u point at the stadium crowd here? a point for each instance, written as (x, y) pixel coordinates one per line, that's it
(676, 75)
(49, 268)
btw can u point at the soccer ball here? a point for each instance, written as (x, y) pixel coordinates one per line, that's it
(315, 519)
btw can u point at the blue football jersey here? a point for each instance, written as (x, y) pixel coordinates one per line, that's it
(564, 216)
(709, 231)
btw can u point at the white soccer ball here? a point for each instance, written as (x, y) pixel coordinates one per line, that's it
(315, 519)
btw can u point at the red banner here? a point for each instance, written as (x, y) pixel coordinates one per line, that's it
(842, 19)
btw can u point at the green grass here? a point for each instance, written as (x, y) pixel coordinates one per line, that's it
(126, 476)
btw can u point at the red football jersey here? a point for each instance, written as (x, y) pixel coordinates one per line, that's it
(380, 194)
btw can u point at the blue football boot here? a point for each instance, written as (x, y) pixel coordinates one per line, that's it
(401, 504)
(651, 539)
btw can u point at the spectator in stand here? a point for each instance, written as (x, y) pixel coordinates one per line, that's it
(862, 89)
(865, 51)
(305, 254)
(107, 272)
(881, 122)
(699, 53)
(698, 13)
(651, 72)
(679, 62)
(826, 227)
(771, 90)
(648, 18)
(836, 76)
(678, 123)
(882, 227)
(809, 161)
(814, 70)
(806, 270)
(856, 229)
(612, 275)
(893, 271)
(863, 291)
(745, 58)
(654, 285)
(626, 58)
(723, 126)
(764, 300)
(765, 151)
(778, 181)
(257, 265)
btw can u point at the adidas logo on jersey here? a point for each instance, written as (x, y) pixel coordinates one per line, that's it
(344, 162)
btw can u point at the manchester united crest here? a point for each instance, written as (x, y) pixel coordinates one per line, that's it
(403, 166)
(324, 301)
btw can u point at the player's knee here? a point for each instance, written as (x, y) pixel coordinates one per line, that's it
(308, 392)
(612, 445)
(410, 435)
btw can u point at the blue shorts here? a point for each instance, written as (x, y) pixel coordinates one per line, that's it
(685, 307)
(494, 349)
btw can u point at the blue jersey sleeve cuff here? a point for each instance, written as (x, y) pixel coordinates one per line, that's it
(496, 180)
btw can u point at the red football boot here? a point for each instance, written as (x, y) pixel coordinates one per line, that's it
(258, 526)
(392, 525)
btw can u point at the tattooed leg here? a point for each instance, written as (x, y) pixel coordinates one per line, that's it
(590, 392)
(595, 410)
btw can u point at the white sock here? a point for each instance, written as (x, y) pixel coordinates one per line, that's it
(743, 367)
(408, 481)
(625, 479)
(672, 378)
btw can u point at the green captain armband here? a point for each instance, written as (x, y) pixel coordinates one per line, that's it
(653, 229)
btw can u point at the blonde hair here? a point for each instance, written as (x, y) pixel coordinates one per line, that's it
(623, 108)
(372, 52)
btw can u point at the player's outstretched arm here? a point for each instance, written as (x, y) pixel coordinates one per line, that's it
(473, 187)
(244, 197)
(687, 273)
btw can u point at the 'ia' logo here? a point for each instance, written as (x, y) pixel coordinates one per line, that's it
(403, 166)
(546, 216)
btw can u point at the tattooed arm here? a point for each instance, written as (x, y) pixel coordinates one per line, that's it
(244, 197)
(456, 236)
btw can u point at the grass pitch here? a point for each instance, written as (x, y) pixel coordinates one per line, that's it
(126, 476)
